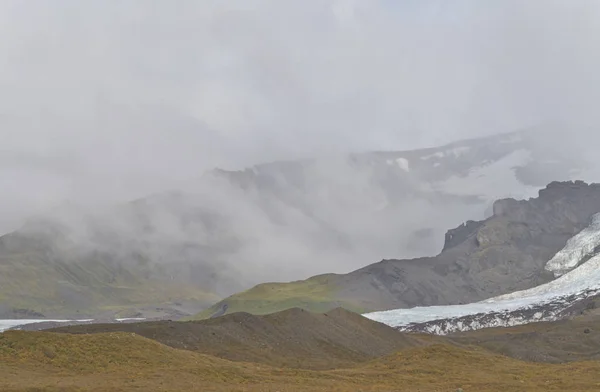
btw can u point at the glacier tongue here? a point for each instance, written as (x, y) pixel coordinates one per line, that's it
(539, 303)
(8, 324)
(577, 248)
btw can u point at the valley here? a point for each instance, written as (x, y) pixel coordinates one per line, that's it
(282, 196)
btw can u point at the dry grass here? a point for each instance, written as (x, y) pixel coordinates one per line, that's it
(42, 361)
(293, 338)
(576, 339)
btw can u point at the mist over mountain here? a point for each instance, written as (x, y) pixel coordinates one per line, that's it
(279, 221)
(299, 195)
(96, 114)
(331, 142)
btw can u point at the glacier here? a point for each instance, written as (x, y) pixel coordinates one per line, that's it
(576, 281)
(16, 324)
(8, 324)
(577, 249)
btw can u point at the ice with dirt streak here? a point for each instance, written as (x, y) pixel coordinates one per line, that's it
(577, 248)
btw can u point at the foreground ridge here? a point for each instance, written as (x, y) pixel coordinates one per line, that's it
(125, 361)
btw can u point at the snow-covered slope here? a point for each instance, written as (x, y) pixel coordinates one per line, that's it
(401, 202)
(542, 303)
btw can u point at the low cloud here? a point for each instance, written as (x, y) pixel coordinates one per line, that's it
(103, 102)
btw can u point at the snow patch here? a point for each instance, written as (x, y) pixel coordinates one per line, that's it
(456, 152)
(130, 319)
(485, 180)
(403, 164)
(438, 154)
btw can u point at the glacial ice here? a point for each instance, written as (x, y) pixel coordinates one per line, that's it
(8, 324)
(577, 248)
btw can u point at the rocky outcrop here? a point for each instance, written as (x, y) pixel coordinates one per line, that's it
(505, 206)
(458, 235)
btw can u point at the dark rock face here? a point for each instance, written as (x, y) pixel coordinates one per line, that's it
(460, 234)
(505, 253)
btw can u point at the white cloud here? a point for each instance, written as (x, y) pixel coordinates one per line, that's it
(113, 99)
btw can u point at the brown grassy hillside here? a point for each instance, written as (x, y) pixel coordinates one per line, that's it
(575, 339)
(297, 350)
(292, 338)
(42, 361)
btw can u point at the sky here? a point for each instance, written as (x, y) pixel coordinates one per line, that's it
(105, 101)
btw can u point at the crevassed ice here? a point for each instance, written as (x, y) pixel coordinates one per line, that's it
(578, 247)
(583, 278)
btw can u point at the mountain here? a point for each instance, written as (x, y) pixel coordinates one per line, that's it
(575, 290)
(231, 230)
(351, 208)
(480, 259)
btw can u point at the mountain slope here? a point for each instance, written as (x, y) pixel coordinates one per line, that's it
(44, 275)
(317, 294)
(505, 253)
